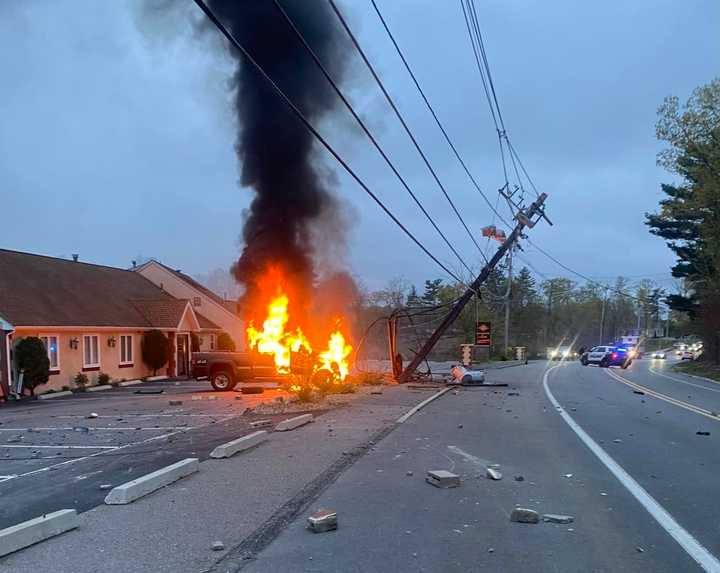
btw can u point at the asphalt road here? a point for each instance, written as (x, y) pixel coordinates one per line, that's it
(52, 456)
(656, 511)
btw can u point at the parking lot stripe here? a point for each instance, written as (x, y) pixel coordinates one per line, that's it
(59, 447)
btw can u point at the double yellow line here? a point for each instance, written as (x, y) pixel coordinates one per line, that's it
(665, 397)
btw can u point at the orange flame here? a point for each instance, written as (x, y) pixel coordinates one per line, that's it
(274, 339)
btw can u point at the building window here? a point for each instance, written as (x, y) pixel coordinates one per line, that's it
(52, 345)
(212, 342)
(91, 354)
(197, 301)
(126, 349)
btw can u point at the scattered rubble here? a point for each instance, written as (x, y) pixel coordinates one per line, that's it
(238, 397)
(91, 415)
(175, 402)
(218, 546)
(442, 479)
(639, 392)
(493, 474)
(639, 549)
(261, 424)
(409, 473)
(557, 518)
(617, 441)
(195, 398)
(322, 520)
(519, 478)
(701, 433)
(522, 515)
(212, 397)
(513, 393)
(105, 486)
(568, 475)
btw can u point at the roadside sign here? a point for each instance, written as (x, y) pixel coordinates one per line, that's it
(483, 330)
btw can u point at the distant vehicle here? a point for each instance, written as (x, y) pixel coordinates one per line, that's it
(659, 354)
(226, 369)
(606, 356)
(561, 353)
(687, 355)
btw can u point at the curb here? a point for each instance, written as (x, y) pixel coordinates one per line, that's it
(292, 423)
(98, 388)
(130, 383)
(33, 531)
(245, 443)
(406, 416)
(137, 488)
(55, 395)
(156, 378)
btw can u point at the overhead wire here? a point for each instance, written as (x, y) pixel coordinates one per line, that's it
(434, 113)
(367, 132)
(400, 117)
(308, 125)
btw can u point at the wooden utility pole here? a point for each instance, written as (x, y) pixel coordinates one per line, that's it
(524, 219)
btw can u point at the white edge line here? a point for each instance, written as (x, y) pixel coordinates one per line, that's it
(683, 381)
(59, 447)
(692, 546)
(406, 416)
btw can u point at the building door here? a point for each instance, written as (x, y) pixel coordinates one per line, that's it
(183, 368)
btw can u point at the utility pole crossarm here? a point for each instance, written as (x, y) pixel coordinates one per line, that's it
(525, 218)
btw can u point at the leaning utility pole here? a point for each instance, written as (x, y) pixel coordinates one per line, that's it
(524, 219)
(508, 296)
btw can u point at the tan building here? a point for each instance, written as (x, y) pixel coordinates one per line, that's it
(222, 312)
(91, 318)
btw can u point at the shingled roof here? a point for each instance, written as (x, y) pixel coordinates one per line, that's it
(36, 290)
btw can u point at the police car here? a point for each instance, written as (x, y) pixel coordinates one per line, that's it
(606, 356)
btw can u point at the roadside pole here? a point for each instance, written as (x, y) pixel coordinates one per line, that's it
(508, 296)
(524, 219)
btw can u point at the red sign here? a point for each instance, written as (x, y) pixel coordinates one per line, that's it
(482, 333)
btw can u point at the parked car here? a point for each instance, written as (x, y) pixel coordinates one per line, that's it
(606, 356)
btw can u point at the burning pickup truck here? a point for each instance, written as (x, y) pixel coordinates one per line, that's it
(226, 369)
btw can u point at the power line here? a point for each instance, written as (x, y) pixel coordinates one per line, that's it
(403, 122)
(362, 125)
(219, 25)
(434, 114)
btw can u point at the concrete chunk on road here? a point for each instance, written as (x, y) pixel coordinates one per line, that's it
(493, 474)
(243, 443)
(322, 520)
(522, 515)
(137, 488)
(442, 478)
(292, 423)
(51, 395)
(33, 531)
(557, 518)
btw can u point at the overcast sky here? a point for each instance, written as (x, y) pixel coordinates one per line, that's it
(116, 131)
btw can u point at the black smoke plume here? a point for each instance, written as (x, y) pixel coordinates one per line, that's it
(277, 154)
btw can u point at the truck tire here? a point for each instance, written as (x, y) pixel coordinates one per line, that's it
(604, 363)
(222, 380)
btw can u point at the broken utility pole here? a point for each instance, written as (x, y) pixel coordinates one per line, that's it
(524, 219)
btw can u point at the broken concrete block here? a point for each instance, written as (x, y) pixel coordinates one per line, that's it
(522, 515)
(195, 398)
(442, 478)
(617, 441)
(557, 518)
(322, 520)
(217, 546)
(91, 415)
(493, 474)
(175, 402)
(106, 486)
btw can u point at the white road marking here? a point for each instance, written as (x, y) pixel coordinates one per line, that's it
(692, 546)
(116, 416)
(100, 429)
(3, 478)
(101, 452)
(469, 457)
(669, 399)
(683, 381)
(60, 447)
(406, 416)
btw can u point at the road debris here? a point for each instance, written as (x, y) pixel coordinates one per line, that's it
(639, 392)
(175, 402)
(513, 393)
(557, 518)
(212, 397)
(238, 397)
(409, 473)
(568, 475)
(491, 550)
(460, 426)
(150, 391)
(519, 478)
(91, 415)
(522, 515)
(195, 398)
(83, 429)
(701, 433)
(617, 441)
(493, 474)
(106, 486)
(218, 546)
(639, 549)
(442, 479)
(322, 520)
